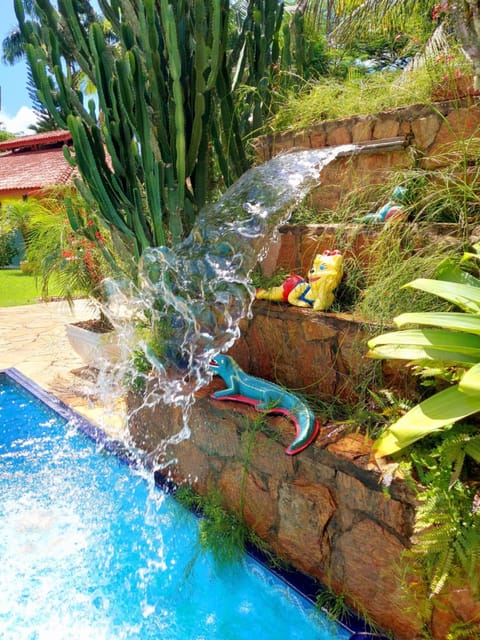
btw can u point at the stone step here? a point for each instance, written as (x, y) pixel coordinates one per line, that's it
(315, 353)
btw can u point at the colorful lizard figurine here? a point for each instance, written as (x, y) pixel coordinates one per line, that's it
(266, 396)
(317, 291)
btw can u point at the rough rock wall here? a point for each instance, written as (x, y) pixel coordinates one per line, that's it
(319, 354)
(295, 246)
(431, 135)
(325, 510)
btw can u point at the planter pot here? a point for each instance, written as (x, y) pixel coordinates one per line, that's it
(92, 346)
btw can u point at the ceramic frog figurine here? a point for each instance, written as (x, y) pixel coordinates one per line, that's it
(316, 292)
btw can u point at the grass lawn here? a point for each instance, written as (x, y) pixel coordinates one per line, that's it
(17, 288)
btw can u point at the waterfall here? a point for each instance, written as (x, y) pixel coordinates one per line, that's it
(192, 297)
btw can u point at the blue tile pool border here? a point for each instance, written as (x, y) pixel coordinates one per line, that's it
(306, 586)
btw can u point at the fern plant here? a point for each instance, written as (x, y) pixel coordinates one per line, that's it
(447, 526)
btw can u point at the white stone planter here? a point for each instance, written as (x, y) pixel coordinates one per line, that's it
(92, 347)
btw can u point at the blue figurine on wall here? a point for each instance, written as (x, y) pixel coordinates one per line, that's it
(392, 210)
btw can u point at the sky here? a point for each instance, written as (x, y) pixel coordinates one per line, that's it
(16, 112)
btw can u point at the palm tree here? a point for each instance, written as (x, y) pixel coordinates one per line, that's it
(13, 45)
(14, 50)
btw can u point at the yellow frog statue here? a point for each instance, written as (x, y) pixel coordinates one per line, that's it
(316, 292)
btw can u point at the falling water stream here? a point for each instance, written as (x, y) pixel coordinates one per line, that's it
(193, 296)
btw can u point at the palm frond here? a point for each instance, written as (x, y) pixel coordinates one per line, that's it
(390, 14)
(439, 43)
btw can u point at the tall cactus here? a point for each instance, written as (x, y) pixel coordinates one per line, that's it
(164, 73)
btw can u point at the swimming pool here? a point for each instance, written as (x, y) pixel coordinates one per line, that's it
(91, 549)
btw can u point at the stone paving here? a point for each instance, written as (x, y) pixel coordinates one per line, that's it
(33, 341)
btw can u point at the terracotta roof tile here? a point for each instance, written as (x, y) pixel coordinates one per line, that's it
(29, 171)
(47, 138)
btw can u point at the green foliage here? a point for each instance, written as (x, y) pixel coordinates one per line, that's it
(5, 135)
(221, 532)
(8, 248)
(332, 604)
(451, 346)
(66, 247)
(136, 378)
(338, 608)
(258, 279)
(449, 194)
(330, 99)
(360, 93)
(464, 631)
(394, 260)
(447, 526)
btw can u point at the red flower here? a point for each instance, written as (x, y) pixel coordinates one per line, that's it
(68, 255)
(438, 9)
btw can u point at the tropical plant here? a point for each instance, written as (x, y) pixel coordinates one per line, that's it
(436, 24)
(394, 28)
(13, 45)
(165, 78)
(223, 533)
(446, 348)
(14, 49)
(75, 261)
(18, 213)
(447, 522)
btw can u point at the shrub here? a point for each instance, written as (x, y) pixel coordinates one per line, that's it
(8, 249)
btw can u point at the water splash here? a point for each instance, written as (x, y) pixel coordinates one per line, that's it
(192, 297)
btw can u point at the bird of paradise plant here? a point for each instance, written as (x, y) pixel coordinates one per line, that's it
(446, 346)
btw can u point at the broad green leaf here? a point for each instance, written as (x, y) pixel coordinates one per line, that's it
(433, 414)
(472, 448)
(463, 295)
(416, 353)
(448, 320)
(450, 271)
(470, 382)
(427, 344)
(436, 338)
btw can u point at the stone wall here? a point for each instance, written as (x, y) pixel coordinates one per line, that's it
(295, 246)
(430, 133)
(325, 511)
(319, 354)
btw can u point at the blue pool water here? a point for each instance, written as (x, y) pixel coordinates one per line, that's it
(90, 549)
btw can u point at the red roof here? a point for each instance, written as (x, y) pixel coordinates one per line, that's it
(34, 162)
(31, 170)
(45, 139)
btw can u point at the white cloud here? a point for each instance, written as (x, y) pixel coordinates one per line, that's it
(20, 122)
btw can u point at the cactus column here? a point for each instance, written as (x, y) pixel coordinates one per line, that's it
(164, 73)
